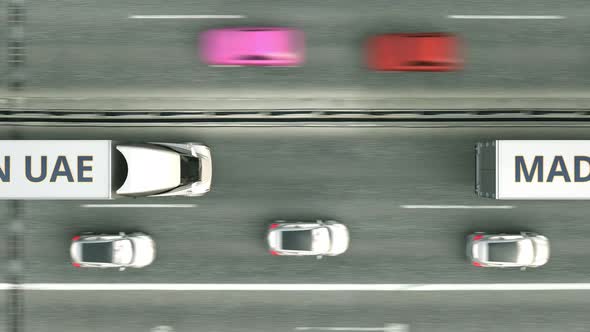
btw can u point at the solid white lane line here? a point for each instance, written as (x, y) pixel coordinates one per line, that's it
(386, 328)
(176, 17)
(507, 17)
(457, 206)
(139, 205)
(320, 328)
(300, 287)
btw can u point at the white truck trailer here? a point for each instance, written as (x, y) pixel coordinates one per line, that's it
(533, 169)
(102, 169)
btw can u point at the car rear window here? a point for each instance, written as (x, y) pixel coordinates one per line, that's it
(97, 252)
(503, 252)
(296, 240)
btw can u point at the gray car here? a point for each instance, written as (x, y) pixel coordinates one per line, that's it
(319, 238)
(112, 250)
(507, 250)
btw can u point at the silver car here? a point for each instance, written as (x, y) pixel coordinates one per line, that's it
(507, 250)
(163, 169)
(319, 238)
(112, 251)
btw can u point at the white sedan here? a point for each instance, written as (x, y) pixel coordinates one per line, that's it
(320, 238)
(112, 250)
(507, 250)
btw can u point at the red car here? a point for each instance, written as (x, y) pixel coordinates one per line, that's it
(414, 52)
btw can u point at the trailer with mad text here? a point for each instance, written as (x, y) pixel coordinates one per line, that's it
(533, 169)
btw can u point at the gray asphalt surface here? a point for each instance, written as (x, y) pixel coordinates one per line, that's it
(285, 312)
(3, 53)
(359, 176)
(3, 311)
(6, 219)
(91, 49)
(91, 52)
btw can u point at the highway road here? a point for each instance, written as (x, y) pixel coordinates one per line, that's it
(290, 312)
(92, 54)
(3, 54)
(363, 177)
(6, 217)
(360, 176)
(4, 311)
(381, 182)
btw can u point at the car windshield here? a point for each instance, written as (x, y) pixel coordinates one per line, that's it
(503, 252)
(97, 252)
(297, 240)
(189, 170)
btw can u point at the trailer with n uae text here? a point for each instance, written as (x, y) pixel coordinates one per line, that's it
(102, 169)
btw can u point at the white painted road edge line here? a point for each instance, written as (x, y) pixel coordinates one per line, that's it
(507, 17)
(386, 328)
(321, 328)
(457, 206)
(173, 17)
(138, 205)
(296, 287)
(326, 328)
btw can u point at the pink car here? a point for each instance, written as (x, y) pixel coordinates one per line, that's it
(272, 46)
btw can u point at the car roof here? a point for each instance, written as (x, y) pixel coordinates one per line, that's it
(237, 43)
(413, 50)
(425, 47)
(437, 50)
